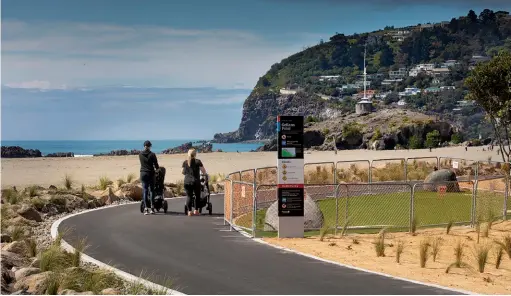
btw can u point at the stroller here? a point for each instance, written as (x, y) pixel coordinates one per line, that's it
(204, 199)
(158, 192)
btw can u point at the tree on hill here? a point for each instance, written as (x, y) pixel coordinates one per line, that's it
(432, 139)
(489, 86)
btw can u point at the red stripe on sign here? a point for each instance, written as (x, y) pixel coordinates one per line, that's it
(278, 118)
(290, 186)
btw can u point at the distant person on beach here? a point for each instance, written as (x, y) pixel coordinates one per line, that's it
(192, 167)
(148, 165)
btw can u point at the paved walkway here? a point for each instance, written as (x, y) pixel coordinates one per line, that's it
(202, 256)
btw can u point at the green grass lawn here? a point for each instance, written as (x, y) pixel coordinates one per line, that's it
(393, 210)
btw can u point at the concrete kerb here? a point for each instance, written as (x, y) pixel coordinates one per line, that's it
(86, 258)
(244, 233)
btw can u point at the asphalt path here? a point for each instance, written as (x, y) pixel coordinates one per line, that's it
(202, 256)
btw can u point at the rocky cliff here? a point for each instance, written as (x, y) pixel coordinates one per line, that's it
(260, 112)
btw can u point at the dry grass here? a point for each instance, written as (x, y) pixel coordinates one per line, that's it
(17, 233)
(379, 244)
(424, 252)
(435, 248)
(68, 182)
(77, 254)
(353, 175)
(11, 196)
(104, 183)
(458, 255)
(321, 175)
(31, 245)
(54, 259)
(498, 256)
(130, 178)
(32, 191)
(505, 244)
(400, 247)
(481, 255)
(120, 182)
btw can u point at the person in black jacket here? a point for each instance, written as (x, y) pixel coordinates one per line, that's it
(148, 165)
(191, 170)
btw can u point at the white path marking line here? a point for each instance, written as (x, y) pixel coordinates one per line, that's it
(86, 258)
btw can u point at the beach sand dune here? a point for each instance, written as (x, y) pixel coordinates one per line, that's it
(87, 171)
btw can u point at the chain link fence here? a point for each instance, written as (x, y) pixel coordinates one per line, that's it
(441, 203)
(383, 193)
(266, 176)
(319, 173)
(418, 168)
(465, 170)
(388, 170)
(355, 171)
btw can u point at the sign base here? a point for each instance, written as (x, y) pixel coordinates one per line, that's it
(291, 227)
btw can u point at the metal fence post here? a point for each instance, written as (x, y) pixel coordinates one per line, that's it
(346, 212)
(370, 172)
(405, 163)
(336, 209)
(254, 209)
(506, 196)
(412, 207)
(473, 213)
(232, 200)
(225, 218)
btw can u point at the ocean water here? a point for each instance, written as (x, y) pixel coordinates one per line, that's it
(86, 148)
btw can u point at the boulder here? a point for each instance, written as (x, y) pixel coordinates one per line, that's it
(313, 138)
(35, 263)
(35, 283)
(20, 221)
(61, 154)
(218, 187)
(168, 194)
(68, 292)
(109, 197)
(110, 291)
(10, 260)
(443, 177)
(18, 152)
(16, 247)
(52, 187)
(30, 213)
(132, 191)
(26, 271)
(6, 238)
(74, 202)
(313, 217)
(7, 278)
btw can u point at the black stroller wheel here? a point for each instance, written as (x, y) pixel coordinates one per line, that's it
(186, 210)
(210, 208)
(142, 208)
(165, 207)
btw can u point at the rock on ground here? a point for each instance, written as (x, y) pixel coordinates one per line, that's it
(16, 247)
(10, 260)
(443, 177)
(313, 217)
(25, 272)
(30, 213)
(34, 284)
(6, 238)
(132, 191)
(110, 291)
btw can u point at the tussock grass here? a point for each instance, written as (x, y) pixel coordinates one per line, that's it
(38, 203)
(104, 182)
(215, 178)
(11, 196)
(448, 227)
(180, 188)
(54, 259)
(57, 200)
(68, 182)
(353, 175)
(82, 280)
(323, 232)
(400, 247)
(17, 233)
(435, 248)
(31, 247)
(424, 252)
(52, 283)
(498, 256)
(321, 175)
(138, 288)
(77, 254)
(379, 243)
(458, 255)
(505, 244)
(131, 177)
(120, 182)
(32, 191)
(481, 256)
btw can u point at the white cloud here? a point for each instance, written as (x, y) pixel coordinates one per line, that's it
(52, 54)
(35, 84)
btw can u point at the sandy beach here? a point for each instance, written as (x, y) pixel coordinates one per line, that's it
(87, 171)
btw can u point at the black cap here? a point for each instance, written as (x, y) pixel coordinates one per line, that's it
(147, 144)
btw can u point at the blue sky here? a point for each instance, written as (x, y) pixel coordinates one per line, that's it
(126, 69)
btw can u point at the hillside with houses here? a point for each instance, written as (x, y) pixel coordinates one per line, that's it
(420, 68)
